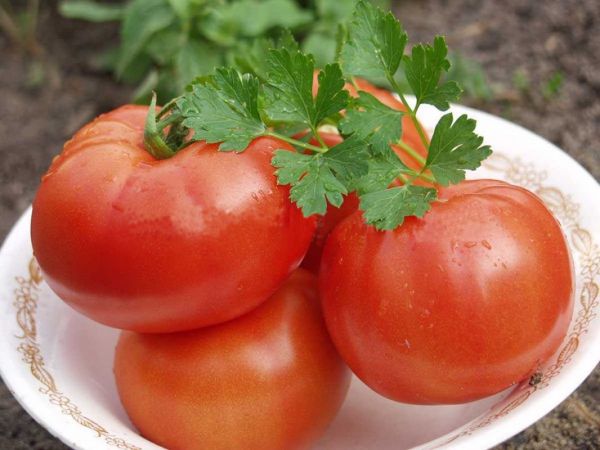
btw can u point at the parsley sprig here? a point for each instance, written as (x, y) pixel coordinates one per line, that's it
(275, 98)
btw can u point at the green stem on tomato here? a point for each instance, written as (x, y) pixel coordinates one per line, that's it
(296, 142)
(153, 136)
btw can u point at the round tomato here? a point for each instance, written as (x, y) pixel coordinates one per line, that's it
(164, 245)
(268, 380)
(455, 306)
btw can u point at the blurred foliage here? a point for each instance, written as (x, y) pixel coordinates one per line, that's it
(20, 25)
(164, 44)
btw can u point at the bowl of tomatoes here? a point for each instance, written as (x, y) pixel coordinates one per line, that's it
(59, 364)
(291, 257)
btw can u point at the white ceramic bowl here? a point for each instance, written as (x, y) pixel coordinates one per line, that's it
(58, 364)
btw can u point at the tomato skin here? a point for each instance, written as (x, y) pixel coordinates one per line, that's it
(268, 380)
(163, 246)
(456, 306)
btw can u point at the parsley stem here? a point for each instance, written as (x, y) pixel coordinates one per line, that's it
(414, 176)
(319, 139)
(426, 177)
(412, 113)
(296, 142)
(411, 151)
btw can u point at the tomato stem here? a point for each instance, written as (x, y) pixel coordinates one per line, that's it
(153, 136)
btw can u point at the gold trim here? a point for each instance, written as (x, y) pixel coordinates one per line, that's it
(588, 252)
(26, 303)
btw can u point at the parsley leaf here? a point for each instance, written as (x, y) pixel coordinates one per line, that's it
(289, 91)
(331, 97)
(371, 120)
(387, 209)
(375, 44)
(455, 148)
(383, 169)
(251, 56)
(322, 177)
(312, 179)
(423, 70)
(224, 110)
(288, 94)
(348, 159)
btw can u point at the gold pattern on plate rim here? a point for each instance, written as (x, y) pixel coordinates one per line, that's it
(588, 253)
(515, 171)
(26, 303)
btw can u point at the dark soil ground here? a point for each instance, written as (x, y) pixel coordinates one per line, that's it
(520, 44)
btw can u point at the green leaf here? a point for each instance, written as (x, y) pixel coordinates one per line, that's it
(348, 159)
(142, 19)
(423, 70)
(182, 8)
(91, 11)
(251, 18)
(224, 111)
(312, 179)
(252, 56)
(321, 45)
(383, 169)
(162, 46)
(195, 58)
(388, 208)
(375, 43)
(288, 94)
(331, 97)
(335, 11)
(455, 148)
(371, 120)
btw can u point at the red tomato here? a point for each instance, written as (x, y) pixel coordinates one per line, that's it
(268, 380)
(453, 307)
(162, 246)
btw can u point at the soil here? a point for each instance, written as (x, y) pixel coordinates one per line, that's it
(520, 44)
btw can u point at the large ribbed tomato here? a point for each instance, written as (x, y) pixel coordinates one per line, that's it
(458, 305)
(163, 245)
(269, 380)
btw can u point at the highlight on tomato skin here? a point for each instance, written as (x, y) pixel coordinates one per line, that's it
(269, 380)
(164, 245)
(459, 305)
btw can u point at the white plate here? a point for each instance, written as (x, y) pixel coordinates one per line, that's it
(58, 364)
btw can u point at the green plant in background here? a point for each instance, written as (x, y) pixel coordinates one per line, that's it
(19, 22)
(553, 86)
(165, 44)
